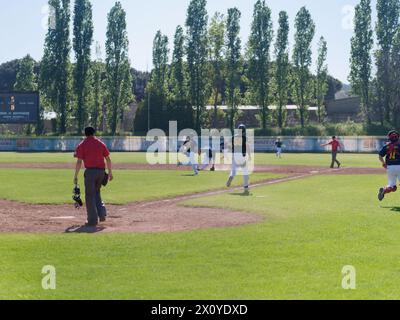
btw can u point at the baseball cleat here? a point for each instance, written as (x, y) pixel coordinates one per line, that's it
(212, 169)
(381, 194)
(246, 192)
(103, 219)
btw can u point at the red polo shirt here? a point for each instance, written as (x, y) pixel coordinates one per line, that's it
(92, 151)
(335, 145)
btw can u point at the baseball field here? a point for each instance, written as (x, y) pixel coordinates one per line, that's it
(172, 235)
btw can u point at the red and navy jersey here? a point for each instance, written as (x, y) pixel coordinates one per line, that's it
(391, 153)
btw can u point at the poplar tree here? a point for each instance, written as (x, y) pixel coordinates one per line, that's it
(282, 67)
(386, 28)
(302, 59)
(83, 39)
(360, 60)
(233, 56)
(259, 57)
(119, 78)
(196, 24)
(216, 36)
(55, 65)
(321, 81)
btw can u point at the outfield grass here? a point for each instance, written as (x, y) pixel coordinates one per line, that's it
(312, 228)
(55, 186)
(300, 159)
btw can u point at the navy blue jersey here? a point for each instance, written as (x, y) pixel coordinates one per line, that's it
(391, 153)
(278, 144)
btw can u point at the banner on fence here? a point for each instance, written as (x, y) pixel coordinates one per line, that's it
(136, 144)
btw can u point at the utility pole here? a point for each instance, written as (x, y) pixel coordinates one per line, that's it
(148, 101)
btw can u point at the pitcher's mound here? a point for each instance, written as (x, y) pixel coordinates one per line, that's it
(141, 218)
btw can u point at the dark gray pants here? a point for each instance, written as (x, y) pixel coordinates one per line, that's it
(334, 159)
(94, 205)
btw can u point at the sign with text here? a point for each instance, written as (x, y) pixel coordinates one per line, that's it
(19, 107)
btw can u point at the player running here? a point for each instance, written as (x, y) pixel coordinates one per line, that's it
(208, 159)
(241, 154)
(390, 159)
(335, 144)
(189, 148)
(278, 146)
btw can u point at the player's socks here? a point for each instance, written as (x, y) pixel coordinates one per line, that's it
(229, 183)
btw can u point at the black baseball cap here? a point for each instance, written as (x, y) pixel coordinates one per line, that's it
(90, 131)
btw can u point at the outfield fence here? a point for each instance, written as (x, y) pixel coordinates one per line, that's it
(137, 144)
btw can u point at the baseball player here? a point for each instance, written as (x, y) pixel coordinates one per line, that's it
(241, 154)
(390, 159)
(92, 152)
(189, 148)
(208, 157)
(278, 146)
(335, 144)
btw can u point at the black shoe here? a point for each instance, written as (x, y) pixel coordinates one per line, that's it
(381, 194)
(212, 169)
(90, 225)
(103, 219)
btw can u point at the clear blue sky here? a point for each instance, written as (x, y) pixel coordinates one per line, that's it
(22, 30)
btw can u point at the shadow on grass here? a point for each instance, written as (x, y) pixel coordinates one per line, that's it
(189, 175)
(241, 194)
(394, 209)
(84, 229)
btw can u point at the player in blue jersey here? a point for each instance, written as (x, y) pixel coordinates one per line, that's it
(390, 158)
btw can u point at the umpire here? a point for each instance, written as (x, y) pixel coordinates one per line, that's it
(92, 153)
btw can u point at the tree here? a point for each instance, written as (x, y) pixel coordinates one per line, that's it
(386, 27)
(179, 105)
(216, 38)
(26, 78)
(259, 56)
(119, 78)
(8, 72)
(98, 73)
(160, 62)
(196, 24)
(83, 38)
(302, 59)
(233, 56)
(360, 60)
(395, 79)
(26, 81)
(321, 81)
(282, 66)
(55, 66)
(158, 83)
(178, 77)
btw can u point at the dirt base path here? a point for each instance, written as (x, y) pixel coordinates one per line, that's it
(146, 217)
(155, 216)
(134, 166)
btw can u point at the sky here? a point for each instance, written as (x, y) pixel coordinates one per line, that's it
(23, 25)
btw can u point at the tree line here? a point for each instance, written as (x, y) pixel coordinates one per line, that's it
(211, 66)
(379, 92)
(85, 91)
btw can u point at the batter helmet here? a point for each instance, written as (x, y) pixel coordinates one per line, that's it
(394, 136)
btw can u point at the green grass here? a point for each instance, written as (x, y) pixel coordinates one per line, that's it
(301, 159)
(55, 186)
(312, 228)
